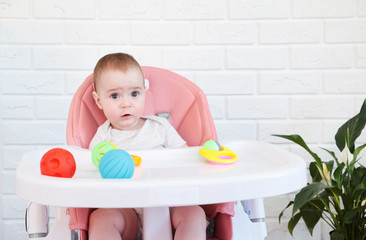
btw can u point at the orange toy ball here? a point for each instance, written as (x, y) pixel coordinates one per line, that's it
(58, 162)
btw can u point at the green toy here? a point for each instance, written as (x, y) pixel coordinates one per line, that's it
(212, 145)
(101, 149)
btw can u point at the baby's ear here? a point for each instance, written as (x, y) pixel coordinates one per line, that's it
(97, 99)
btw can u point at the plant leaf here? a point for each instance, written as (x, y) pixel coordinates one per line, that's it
(292, 223)
(306, 194)
(357, 151)
(332, 154)
(338, 175)
(298, 140)
(337, 236)
(351, 215)
(359, 192)
(311, 214)
(358, 176)
(354, 126)
(314, 172)
(330, 165)
(281, 214)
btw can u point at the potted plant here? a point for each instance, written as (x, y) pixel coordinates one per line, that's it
(337, 192)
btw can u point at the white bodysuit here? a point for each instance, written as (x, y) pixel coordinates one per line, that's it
(156, 132)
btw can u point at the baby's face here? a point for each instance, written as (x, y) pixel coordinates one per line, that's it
(121, 96)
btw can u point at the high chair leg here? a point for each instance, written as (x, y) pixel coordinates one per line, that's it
(60, 228)
(255, 210)
(36, 220)
(79, 235)
(37, 223)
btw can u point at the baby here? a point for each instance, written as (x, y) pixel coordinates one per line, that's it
(120, 92)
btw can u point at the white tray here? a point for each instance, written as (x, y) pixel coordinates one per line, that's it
(166, 177)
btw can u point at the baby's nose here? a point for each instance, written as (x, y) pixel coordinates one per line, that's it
(125, 102)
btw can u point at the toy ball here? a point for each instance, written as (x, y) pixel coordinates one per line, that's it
(212, 145)
(58, 162)
(116, 163)
(100, 150)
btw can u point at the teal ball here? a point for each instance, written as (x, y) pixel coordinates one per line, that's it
(116, 163)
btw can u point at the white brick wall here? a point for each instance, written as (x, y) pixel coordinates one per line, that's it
(284, 66)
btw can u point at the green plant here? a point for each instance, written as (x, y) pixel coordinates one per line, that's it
(337, 193)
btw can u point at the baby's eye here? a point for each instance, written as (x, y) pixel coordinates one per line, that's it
(135, 93)
(114, 96)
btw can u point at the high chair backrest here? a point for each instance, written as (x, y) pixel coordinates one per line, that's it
(167, 92)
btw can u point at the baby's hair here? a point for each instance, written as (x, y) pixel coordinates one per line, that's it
(114, 61)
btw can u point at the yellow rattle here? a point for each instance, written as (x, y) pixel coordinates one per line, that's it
(212, 151)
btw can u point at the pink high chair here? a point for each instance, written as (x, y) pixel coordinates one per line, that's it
(168, 93)
(169, 177)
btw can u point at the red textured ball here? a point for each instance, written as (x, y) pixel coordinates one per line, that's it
(58, 162)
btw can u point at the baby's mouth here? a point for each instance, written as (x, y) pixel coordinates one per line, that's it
(126, 115)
